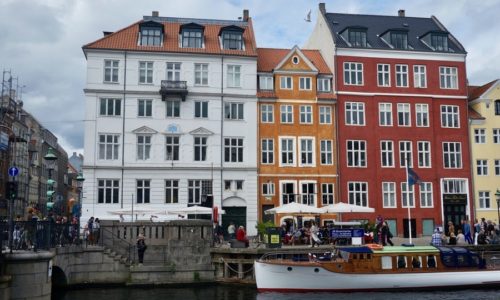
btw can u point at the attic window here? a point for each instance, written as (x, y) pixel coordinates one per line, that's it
(192, 35)
(232, 37)
(439, 41)
(399, 39)
(150, 34)
(295, 60)
(357, 37)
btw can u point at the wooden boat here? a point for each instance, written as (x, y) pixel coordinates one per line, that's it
(365, 269)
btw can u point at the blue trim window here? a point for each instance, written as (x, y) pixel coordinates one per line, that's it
(357, 38)
(439, 42)
(399, 40)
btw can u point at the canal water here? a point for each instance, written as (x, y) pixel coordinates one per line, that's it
(239, 292)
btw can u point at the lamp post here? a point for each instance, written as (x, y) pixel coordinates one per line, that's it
(51, 158)
(79, 181)
(497, 196)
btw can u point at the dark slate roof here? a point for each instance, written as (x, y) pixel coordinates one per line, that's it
(377, 25)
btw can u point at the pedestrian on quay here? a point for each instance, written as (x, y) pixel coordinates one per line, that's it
(436, 238)
(386, 234)
(90, 230)
(96, 231)
(141, 247)
(231, 231)
(467, 231)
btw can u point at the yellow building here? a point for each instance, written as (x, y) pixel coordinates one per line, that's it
(484, 118)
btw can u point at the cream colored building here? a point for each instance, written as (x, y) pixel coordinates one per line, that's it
(484, 118)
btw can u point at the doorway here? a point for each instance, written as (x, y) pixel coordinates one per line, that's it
(454, 213)
(413, 228)
(237, 215)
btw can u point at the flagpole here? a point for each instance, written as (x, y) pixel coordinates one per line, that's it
(408, 197)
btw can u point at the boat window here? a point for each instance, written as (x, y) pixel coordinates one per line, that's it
(431, 261)
(448, 260)
(416, 262)
(386, 263)
(401, 262)
(462, 261)
(474, 260)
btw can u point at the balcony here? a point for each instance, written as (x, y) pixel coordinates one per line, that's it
(173, 88)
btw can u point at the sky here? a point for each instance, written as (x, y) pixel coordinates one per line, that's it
(41, 40)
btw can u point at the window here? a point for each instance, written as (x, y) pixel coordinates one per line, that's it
(422, 115)
(496, 136)
(287, 192)
(192, 38)
(143, 147)
(110, 107)
(266, 82)
(306, 114)
(172, 147)
(383, 75)
(450, 116)
(151, 36)
(111, 71)
(108, 146)
(326, 152)
(407, 195)
(305, 83)
(173, 71)
(267, 151)
(233, 111)
(146, 72)
(295, 60)
(448, 78)
(173, 109)
(233, 149)
(287, 151)
(439, 41)
(405, 154)
(233, 76)
(268, 189)
(200, 148)
(426, 194)
(266, 113)
(325, 115)
(144, 108)
(353, 73)
(454, 186)
(357, 38)
(399, 40)
(480, 136)
(482, 167)
(389, 194)
(452, 155)
(354, 113)
(306, 151)
(171, 191)
(497, 167)
(385, 114)
(419, 77)
(356, 153)
(239, 185)
(286, 83)
(424, 154)
(232, 40)
(402, 75)
(308, 193)
(324, 85)
(327, 194)
(143, 191)
(358, 193)
(387, 154)
(404, 114)
(201, 74)
(201, 109)
(497, 107)
(286, 113)
(198, 190)
(108, 191)
(484, 199)
(227, 185)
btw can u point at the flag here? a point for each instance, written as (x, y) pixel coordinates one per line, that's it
(413, 177)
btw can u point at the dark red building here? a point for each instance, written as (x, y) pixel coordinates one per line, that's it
(402, 97)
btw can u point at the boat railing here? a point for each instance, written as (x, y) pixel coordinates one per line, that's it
(299, 255)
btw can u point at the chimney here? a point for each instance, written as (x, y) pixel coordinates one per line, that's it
(155, 13)
(401, 13)
(322, 8)
(245, 15)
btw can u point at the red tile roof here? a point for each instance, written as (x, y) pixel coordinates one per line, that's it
(127, 38)
(269, 58)
(475, 115)
(476, 91)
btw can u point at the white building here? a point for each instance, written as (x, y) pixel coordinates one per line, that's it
(170, 118)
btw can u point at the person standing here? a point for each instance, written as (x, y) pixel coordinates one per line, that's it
(141, 247)
(96, 230)
(90, 229)
(467, 232)
(231, 231)
(436, 238)
(386, 234)
(241, 236)
(313, 234)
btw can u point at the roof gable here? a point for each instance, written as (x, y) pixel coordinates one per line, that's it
(201, 131)
(303, 63)
(269, 59)
(144, 130)
(476, 92)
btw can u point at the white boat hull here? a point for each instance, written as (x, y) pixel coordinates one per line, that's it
(277, 277)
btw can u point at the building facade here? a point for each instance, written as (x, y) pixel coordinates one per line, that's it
(402, 99)
(171, 118)
(484, 116)
(297, 144)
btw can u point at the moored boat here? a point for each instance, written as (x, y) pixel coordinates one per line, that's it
(371, 268)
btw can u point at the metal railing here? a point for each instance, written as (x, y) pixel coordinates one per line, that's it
(173, 85)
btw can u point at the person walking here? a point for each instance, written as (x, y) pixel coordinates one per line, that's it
(386, 234)
(467, 231)
(313, 235)
(141, 247)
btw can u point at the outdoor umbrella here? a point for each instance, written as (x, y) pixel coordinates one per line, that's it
(342, 207)
(294, 208)
(193, 210)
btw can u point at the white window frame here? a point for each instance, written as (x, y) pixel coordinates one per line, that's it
(355, 113)
(405, 149)
(325, 115)
(404, 115)
(111, 65)
(386, 153)
(268, 189)
(324, 84)
(424, 154)
(200, 146)
(144, 144)
(407, 194)
(326, 152)
(497, 167)
(286, 83)
(496, 135)
(426, 195)
(286, 110)
(385, 114)
(174, 145)
(266, 151)
(234, 107)
(110, 187)
(234, 76)
(305, 83)
(422, 115)
(234, 145)
(266, 82)
(306, 197)
(480, 136)
(267, 113)
(287, 151)
(449, 153)
(402, 76)
(173, 71)
(481, 167)
(143, 190)
(194, 191)
(112, 107)
(146, 72)
(354, 72)
(484, 199)
(359, 190)
(389, 196)
(419, 76)
(145, 104)
(305, 114)
(327, 193)
(288, 198)
(384, 75)
(171, 191)
(448, 78)
(170, 108)
(114, 145)
(202, 107)
(201, 74)
(358, 156)
(450, 116)
(310, 153)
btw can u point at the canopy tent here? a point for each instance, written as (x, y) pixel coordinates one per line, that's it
(294, 208)
(135, 211)
(342, 207)
(194, 210)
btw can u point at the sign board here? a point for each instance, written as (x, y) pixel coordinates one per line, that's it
(346, 233)
(4, 141)
(13, 171)
(272, 237)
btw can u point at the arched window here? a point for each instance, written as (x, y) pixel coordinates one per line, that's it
(497, 107)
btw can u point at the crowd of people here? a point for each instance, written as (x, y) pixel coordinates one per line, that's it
(485, 232)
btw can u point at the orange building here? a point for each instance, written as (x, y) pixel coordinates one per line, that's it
(297, 139)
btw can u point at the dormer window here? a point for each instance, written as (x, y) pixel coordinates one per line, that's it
(439, 41)
(399, 39)
(192, 35)
(357, 38)
(232, 37)
(151, 34)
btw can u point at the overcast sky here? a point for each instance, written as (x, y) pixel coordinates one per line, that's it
(41, 40)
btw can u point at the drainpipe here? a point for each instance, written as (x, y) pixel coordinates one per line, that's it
(221, 128)
(123, 126)
(337, 142)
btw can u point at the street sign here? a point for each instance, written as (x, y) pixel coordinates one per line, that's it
(13, 171)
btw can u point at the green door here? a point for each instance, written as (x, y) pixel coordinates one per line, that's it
(238, 215)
